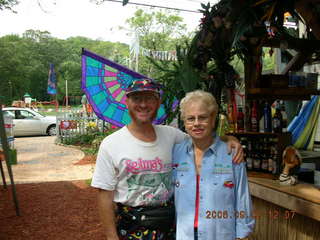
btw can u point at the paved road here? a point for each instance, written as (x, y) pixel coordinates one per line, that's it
(41, 160)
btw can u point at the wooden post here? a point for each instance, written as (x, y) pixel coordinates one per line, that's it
(2, 172)
(251, 66)
(5, 148)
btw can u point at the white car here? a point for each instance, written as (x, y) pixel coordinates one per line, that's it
(27, 122)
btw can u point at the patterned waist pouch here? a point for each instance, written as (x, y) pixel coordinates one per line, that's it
(151, 217)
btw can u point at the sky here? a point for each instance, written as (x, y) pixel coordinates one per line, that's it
(67, 18)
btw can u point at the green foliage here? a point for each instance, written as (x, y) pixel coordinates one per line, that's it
(88, 181)
(24, 63)
(229, 30)
(158, 31)
(268, 59)
(163, 31)
(178, 78)
(90, 142)
(81, 139)
(8, 4)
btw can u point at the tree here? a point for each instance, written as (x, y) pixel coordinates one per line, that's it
(69, 68)
(158, 31)
(70, 72)
(41, 50)
(24, 63)
(164, 31)
(8, 4)
(13, 78)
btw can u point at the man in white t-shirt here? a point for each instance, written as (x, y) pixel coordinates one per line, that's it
(133, 170)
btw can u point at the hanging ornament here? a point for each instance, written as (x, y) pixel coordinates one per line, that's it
(270, 31)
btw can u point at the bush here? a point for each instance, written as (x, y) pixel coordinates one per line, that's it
(90, 142)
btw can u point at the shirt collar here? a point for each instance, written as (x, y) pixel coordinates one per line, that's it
(213, 147)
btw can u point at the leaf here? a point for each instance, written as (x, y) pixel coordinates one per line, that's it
(125, 2)
(244, 25)
(189, 77)
(205, 7)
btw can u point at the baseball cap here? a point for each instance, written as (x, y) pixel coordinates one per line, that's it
(141, 85)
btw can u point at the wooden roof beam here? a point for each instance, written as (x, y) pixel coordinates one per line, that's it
(297, 62)
(294, 43)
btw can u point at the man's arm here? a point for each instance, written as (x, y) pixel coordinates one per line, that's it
(107, 214)
(234, 144)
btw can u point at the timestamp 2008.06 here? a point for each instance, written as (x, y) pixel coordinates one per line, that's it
(272, 214)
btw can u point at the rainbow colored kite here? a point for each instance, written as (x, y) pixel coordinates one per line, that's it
(104, 83)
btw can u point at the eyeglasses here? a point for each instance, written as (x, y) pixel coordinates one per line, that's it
(143, 98)
(201, 119)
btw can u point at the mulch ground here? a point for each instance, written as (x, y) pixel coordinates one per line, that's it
(87, 159)
(50, 211)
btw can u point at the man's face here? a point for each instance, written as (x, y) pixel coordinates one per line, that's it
(143, 106)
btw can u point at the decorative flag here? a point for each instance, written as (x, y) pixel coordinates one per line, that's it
(104, 82)
(52, 81)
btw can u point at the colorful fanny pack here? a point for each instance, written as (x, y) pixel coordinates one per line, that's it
(153, 217)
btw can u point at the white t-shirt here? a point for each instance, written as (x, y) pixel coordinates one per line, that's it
(138, 172)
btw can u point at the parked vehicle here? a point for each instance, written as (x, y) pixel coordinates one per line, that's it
(27, 122)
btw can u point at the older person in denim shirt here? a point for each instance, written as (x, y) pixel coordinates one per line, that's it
(211, 192)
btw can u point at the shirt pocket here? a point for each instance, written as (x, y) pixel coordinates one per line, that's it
(181, 176)
(224, 190)
(184, 190)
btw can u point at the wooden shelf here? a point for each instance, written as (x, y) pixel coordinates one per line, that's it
(268, 134)
(281, 93)
(282, 141)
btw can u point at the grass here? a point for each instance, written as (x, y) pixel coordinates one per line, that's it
(88, 181)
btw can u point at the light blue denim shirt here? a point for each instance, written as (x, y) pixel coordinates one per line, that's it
(225, 209)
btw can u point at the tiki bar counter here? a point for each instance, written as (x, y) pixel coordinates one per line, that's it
(285, 212)
(286, 202)
(285, 206)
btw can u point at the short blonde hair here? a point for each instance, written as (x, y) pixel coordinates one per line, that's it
(199, 96)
